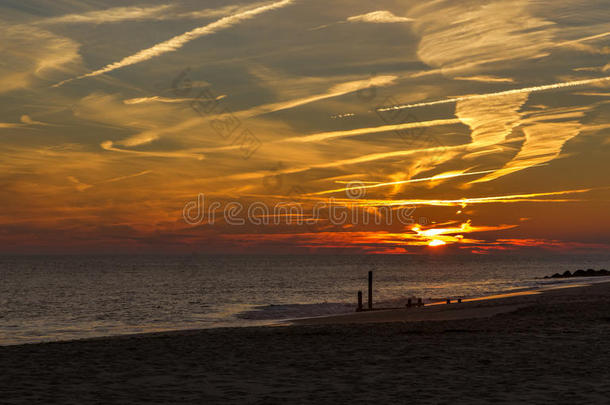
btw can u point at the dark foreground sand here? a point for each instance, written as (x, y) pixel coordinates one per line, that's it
(545, 348)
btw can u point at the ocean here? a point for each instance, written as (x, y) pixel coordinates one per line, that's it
(51, 298)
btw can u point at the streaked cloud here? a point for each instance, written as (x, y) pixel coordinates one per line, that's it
(323, 136)
(543, 143)
(532, 89)
(462, 202)
(485, 79)
(134, 13)
(159, 99)
(10, 125)
(335, 91)
(438, 177)
(178, 42)
(31, 54)
(421, 103)
(453, 36)
(491, 120)
(110, 15)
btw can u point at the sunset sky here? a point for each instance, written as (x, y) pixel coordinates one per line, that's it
(490, 118)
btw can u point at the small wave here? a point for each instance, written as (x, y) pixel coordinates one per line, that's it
(290, 311)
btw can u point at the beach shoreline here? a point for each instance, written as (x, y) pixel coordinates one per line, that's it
(380, 314)
(536, 348)
(468, 308)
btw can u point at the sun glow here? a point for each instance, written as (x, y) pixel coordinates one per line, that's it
(436, 242)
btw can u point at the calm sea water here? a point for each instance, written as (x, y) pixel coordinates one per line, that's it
(46, 298)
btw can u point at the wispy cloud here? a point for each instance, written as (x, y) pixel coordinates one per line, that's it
(509, 198)
(491, 120)
(378, 17)
(135, 13)
(179, 41)
(323, 136)
(159, 99)
(454, 36)
(108, 145)
(543, 143)
(31, 53)
(532, 89)
(442, 176)
(335, 91)
(10, 125)
(80, 186)
(26, 120)
(485, 79)
(115, 14)
(129, 176)
(438, 150)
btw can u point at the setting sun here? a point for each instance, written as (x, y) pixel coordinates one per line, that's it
(417, 192)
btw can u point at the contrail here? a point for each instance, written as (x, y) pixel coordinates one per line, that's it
(363, 131)
(501, 93)
(177, 42)
(531, 197)
(513, 198)
(589, 38)
(394, 183)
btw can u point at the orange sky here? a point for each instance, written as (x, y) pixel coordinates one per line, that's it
(489, 124)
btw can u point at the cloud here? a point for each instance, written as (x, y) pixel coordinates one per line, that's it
(108, 145)
(510, 198)
(544, 139)
(129, 176)
(442, 176)
(374, 17)
(322, 136)
(80, 186)
(543, 143)
(110, 15)
(454, 36)
(580, 40)
(335, 91)
(109, 110)
(448, 151)
(10, 125)
(381, 16)
(179, 41)
(491, 120)
(532, 89)
(217, 12)
(32, 53)
(141, 100)
(156, 13)
(485, 79)
(26, 119)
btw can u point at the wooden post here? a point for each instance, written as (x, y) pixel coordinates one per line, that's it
(370, 290)
(409, 303)
(359, 309)
(459, 300)
(448, 301)
(419, 303)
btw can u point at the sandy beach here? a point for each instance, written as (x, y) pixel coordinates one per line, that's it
(550, 347)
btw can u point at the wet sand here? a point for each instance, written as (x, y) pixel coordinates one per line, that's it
(551, 347)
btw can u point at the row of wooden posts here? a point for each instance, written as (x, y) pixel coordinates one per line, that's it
(370, 298)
